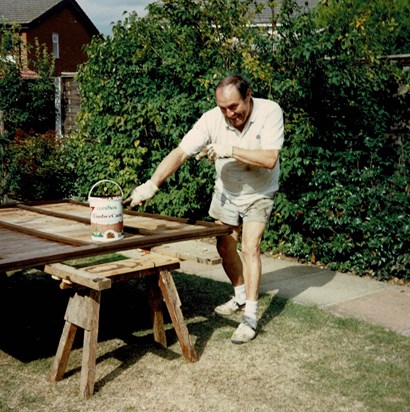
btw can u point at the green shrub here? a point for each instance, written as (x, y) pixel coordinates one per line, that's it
(27, 108)
(345, 163)
(344, 185)
(37, 170)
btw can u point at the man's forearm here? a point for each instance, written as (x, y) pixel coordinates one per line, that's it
(168, 166)
(259, 158)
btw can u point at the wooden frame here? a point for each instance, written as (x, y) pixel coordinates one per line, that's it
(33, 234)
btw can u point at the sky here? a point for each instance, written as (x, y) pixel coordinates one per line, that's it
(103, 12)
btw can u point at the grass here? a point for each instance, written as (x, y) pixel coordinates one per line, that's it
(303, 359)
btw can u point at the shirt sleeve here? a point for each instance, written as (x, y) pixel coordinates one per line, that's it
(273, 128)
(197, 138)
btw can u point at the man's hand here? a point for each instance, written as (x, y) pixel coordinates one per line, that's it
(215, 151)
(141, 193)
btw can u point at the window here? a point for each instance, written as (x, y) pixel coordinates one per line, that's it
(56, 49)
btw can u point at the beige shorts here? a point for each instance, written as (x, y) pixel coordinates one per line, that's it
(227, 212)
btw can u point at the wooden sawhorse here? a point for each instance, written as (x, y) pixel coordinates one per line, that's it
(83, 309)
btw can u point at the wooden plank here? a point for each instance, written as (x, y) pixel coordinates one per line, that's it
(78, 310)
(143, 227)
(134, 265)
(48, 249)
(78, 276)
(19, 246)
(60, 361)
(70, 202)
(188, 221)
(145, 242)
(200, 252)
(45, 211)
(155, 302)
(42, 235)
(171, 297)
(12, 242)
(88, 365)
(72, 229)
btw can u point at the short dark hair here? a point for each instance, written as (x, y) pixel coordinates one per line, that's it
(236, 80)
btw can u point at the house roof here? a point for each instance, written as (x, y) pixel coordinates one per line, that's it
(265, 16)
(27, 12)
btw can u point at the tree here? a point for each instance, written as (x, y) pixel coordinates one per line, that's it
(27, 142)
(345, 174)
(26, 103)
(387, 22)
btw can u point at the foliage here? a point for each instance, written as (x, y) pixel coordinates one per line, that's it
(386, 21)
(25, 104)
(39, 169)
(344, 197)
(146, 85)
(344, 189)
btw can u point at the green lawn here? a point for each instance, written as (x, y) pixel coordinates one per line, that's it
(303, 359)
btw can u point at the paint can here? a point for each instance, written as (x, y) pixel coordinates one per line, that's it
(106, 215)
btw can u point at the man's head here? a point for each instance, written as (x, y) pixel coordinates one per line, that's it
(233, 97)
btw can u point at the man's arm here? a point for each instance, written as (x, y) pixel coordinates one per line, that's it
(169, 165)
(265, 158)
(260, 158)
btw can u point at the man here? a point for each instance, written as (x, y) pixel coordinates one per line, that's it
(243, 136)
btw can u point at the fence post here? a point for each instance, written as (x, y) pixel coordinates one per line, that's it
(2, 169)
(1, 122)
(58, 105)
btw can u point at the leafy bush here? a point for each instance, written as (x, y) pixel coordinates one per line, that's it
(38, 170)
(146, 85)
(27, 107)
(26, 103)
(344, 189)
(345, 174)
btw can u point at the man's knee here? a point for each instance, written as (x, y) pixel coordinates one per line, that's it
(226, 245)
(251, 251)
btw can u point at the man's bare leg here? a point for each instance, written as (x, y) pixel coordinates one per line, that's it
(227, 247)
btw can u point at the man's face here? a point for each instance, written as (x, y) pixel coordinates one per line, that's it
(234, 108)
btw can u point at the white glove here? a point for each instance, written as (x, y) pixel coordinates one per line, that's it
(218, 151)
(142, 193)
(215, 151)
(202, 153)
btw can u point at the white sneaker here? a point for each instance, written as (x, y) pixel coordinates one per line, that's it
(229, 308)
(244, 333)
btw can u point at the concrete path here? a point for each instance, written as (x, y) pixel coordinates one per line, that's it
(341, 294)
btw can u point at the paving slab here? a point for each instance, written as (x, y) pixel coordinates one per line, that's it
(389, 307)
(319, 287)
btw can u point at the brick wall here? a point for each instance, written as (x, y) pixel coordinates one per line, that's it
(72, 36)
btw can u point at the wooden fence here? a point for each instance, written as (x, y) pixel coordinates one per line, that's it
(67, 103)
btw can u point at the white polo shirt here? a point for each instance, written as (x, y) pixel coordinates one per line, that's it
(240, 182)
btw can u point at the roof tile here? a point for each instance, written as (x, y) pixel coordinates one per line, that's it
(25, 11)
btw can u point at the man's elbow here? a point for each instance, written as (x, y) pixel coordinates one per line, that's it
(272, 161)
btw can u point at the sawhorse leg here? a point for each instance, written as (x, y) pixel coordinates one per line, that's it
(171, 297)
(83, 310)
(155, 301)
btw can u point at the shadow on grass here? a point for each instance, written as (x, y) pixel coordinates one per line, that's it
(32, 308)
(288, 283)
